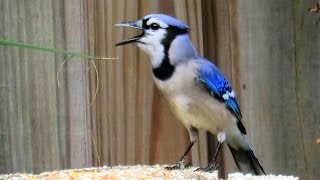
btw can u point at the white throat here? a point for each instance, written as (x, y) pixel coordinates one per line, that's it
(155, 52)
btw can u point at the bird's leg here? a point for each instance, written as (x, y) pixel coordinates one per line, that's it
(180, 164)
(213, 164)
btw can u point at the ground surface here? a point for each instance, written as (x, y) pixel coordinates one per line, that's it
(135, 172)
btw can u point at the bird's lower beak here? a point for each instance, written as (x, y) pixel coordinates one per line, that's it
(133, 39)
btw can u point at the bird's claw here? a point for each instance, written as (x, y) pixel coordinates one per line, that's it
(178, 165)
(188, 165)
(210, 168)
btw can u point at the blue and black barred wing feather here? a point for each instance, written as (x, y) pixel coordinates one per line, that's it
(221, 89)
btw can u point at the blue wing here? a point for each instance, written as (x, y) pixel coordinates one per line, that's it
(218, 86)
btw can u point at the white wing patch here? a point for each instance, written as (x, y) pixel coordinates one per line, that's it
(231, 94)
(225, 96)
(155, 20)
(228, 94)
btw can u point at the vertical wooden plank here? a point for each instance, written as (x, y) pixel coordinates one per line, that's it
(44, 82)
(80, 143)
(119, 95)
(98, 11)
(62, 109)
(111, 94)
(96, 124)
(25, 90)
(6, 165)
(266, 72)
(102, 35)
(3, 90)
(130, 62)
(307, 66)
(10, 98)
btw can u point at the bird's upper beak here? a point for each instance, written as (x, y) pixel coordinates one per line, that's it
(131, 24)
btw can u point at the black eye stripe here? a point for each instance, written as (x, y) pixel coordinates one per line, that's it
(153, 26)
(175, 30)
(144, 24)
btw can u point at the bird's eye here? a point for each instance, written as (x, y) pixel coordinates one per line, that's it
(154, 26)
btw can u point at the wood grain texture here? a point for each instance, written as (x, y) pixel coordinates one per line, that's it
(35, 112)
(270, 57)
(78, 96)
(29, 79)
(267, 49)
(307, 45)
(264, 48)
(269, 91)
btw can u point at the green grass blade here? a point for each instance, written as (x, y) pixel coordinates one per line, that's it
(51, 50)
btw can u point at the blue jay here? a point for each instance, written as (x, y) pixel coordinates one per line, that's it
(196, 90)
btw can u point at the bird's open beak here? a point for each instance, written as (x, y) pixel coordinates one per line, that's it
(131, 24)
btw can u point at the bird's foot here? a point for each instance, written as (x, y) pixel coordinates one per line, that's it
(212, 166)
(189, 165)
(178, 165)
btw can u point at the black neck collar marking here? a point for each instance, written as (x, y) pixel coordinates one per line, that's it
(166, 69)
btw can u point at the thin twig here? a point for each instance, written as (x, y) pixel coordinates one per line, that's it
(96, 150)
(58, 82)
(97, 87)
(96, 71)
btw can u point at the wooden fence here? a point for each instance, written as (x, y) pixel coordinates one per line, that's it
(268, 49)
